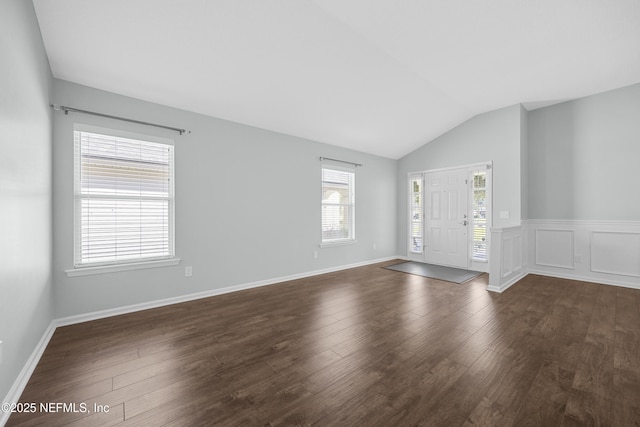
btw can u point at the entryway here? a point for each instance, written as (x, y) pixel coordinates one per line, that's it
(449, 216)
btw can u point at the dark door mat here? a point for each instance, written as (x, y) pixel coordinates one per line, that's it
(449, 274)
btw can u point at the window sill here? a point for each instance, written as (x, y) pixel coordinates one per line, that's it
(102, 269)
(338, 243)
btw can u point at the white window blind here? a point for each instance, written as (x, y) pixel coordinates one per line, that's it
(480, 216)
(417, 209)
(338, 204)
(124, 199)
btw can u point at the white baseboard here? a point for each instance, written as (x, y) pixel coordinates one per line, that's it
(23, 378)
(506, 285)
(584, 278)
(71, 320)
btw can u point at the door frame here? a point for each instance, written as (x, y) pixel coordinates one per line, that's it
(473, 264)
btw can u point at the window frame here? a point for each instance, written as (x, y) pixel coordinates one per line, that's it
(416, 208)
(352, 205)
(84, 268)
(477, 223)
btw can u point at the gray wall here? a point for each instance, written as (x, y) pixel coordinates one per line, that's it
(493, 136)
(25, 188)
(247, 205)
(583, 158)
(524, 162)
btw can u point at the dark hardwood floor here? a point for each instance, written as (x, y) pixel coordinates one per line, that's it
(366, 346)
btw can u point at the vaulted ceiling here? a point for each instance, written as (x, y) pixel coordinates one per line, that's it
(379, 76)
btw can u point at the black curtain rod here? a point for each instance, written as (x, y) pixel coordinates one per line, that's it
(93, 113)
(341, 161)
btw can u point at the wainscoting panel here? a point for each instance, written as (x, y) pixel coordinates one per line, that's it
(509, 248)
(595, 251)
(615, 253)
(554, 248)
(507, 257)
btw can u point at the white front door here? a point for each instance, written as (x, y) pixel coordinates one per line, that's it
(446, 222)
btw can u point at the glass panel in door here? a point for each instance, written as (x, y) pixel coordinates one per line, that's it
(416, 222)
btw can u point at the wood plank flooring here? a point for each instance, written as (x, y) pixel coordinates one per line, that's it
(365, 346)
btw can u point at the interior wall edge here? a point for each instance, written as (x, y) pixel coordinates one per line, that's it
(13, 396)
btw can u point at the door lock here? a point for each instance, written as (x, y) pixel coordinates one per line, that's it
(464, 222)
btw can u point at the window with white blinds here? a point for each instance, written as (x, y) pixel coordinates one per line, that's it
(417, 214)
(338, 204)
(480, 216)
(124, 199)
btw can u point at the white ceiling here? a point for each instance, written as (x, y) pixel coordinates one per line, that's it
(379, 76)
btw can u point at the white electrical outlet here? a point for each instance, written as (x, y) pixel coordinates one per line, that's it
(504, 214)
(315, 254)
(188, 271)
(375, 246)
